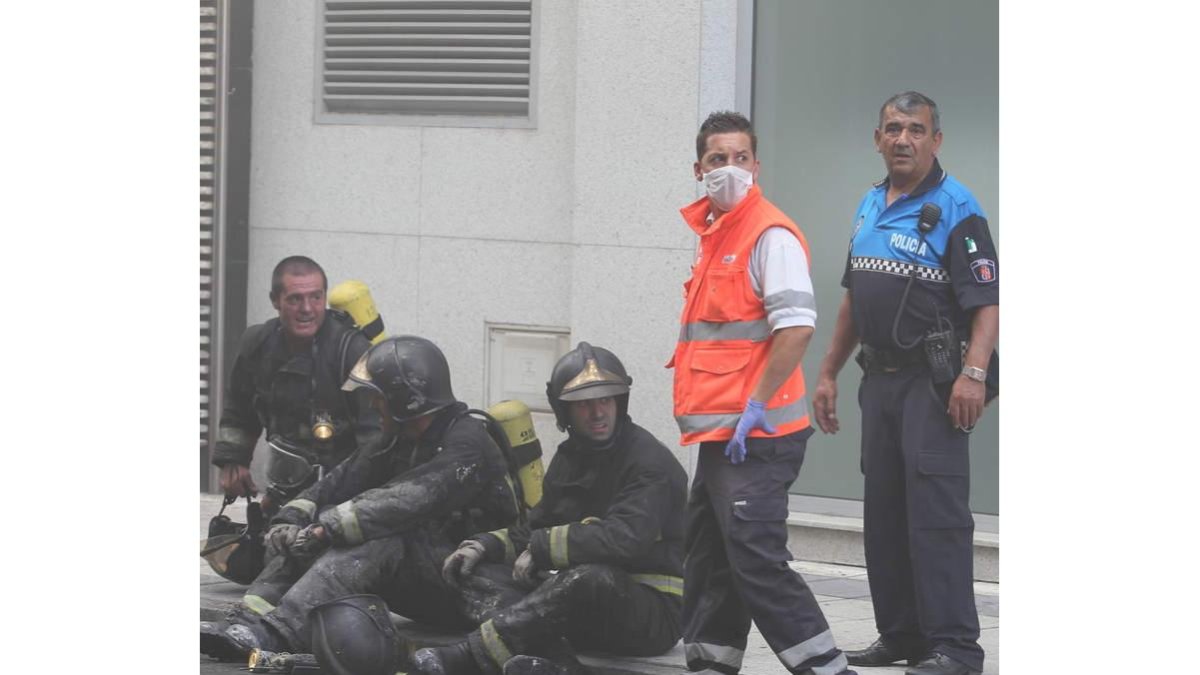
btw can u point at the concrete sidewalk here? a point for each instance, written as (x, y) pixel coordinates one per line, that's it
(842, 591)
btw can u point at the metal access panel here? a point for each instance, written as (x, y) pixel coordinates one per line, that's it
(519, 361)
(821, 70)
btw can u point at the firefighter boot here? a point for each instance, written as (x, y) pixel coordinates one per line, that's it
(227, 641)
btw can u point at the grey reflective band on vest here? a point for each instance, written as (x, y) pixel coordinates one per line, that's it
(811, 648)
(691, 424)
(789, 298)
(756, 331)
(722, 654)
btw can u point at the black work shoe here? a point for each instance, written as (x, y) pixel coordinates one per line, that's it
(228, 641)
(455, 659)
(940, 664)
(532, 665)
(879, 654)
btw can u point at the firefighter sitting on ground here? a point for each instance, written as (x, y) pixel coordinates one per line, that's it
(384, 520)
(611, 522)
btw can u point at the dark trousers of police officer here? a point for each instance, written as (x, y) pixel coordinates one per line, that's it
(736, 568)
(917, 522)
(405, 570)
(595, 607)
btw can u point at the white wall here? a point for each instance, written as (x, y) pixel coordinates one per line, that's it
(574, 223)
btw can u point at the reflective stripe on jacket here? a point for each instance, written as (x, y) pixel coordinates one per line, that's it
(724, 337)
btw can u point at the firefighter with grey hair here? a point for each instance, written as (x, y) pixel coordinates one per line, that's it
(383, 521)
(610, 524)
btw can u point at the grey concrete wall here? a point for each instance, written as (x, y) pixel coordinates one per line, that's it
(571, 224)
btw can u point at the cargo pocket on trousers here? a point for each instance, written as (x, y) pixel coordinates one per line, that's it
(758, 528)
(943, 490)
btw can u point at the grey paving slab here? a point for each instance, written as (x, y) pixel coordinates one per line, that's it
(846, 608)
(989, 605)
(841, 588)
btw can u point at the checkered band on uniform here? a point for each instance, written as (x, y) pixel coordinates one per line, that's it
(900, 269)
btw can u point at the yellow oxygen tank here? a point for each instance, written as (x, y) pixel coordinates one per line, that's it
(517, 422)
(354, 298)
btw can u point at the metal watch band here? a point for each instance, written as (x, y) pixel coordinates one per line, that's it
(977, 374)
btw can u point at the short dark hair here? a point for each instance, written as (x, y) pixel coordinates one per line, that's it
(724, 122)
(907, 102)
(297, 265)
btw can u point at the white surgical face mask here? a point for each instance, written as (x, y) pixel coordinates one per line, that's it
(727, 186)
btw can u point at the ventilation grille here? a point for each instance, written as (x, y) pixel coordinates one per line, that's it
(427, 57)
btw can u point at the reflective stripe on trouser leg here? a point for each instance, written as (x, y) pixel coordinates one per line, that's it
(700, 652)
(802, 656)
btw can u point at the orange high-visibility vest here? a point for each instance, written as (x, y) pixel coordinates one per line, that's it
(724, 336)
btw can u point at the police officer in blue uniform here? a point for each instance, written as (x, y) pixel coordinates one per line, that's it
(922, 300)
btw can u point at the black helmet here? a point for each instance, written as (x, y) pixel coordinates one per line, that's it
(409, 371)
(584, 373)
(354, 636)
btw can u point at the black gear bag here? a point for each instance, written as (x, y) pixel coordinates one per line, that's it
(236, 550)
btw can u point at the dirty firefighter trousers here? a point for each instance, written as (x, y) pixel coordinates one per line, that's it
(737, 564)
(405, 570)
(595, 607)
(917, 523)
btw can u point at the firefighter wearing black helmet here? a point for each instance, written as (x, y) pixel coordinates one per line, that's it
(610, 523)
(383, 520)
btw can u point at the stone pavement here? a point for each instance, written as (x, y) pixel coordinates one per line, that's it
(842, 591)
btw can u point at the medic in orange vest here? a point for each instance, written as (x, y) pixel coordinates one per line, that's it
(748, 316)
(728, 364)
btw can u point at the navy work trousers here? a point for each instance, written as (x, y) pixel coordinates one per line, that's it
(917, 522)
(736, 568)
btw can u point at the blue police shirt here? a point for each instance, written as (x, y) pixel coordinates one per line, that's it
(955, 263)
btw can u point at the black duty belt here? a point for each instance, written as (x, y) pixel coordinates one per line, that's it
(875, 360)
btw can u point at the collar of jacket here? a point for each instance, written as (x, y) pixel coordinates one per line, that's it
(696, 213)
(427, 445)
(931, 180)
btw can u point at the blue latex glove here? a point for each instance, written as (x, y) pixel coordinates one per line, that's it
(753, 417)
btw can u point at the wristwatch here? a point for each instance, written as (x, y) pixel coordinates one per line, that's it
(977, 374)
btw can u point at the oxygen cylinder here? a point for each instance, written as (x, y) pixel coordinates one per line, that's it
(517, 421)
(354, 298)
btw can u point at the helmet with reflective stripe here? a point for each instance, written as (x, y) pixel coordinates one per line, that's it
(409, 371)
(584, 373)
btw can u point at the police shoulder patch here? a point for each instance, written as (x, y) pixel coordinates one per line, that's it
(984, 270)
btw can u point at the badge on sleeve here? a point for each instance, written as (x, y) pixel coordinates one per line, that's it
(984, 270)
(971, 247)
